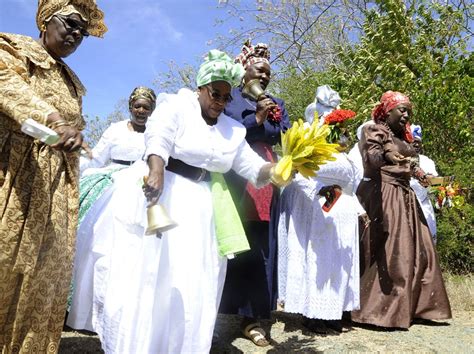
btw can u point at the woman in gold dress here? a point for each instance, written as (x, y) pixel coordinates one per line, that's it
(39, 182)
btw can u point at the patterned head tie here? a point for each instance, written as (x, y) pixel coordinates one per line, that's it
(142, 92)
(87, 9)
(389, 101)
(218, 66)
(253, 54)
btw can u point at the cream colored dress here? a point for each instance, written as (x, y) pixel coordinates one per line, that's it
(38, 197)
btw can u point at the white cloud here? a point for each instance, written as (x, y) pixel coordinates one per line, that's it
(138, 15)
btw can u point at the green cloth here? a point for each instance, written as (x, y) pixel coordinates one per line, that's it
(231, 238)
(218, 66)
(91, 188)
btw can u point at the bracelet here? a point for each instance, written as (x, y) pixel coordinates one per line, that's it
(58, 123)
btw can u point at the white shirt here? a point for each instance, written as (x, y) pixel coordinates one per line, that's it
(118, 142)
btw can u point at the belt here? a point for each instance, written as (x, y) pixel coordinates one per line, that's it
(122, 162)
(197, 174)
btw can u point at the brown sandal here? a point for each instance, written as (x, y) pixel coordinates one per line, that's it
(256, 334)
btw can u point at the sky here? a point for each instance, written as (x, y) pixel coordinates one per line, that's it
(143, 36)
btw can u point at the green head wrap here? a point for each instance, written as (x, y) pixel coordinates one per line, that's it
(218, 66)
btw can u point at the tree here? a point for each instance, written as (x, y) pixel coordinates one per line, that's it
(96, 126)
(419, 49)
(301, 34)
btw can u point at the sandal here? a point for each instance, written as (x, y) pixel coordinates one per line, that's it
(256, 334)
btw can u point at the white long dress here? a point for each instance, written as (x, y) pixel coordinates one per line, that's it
(421, 192)
(318, 260)
(161, 295)
(117, 142)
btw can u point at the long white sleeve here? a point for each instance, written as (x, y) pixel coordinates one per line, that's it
(162, 128)
(100, 153)
(247, 163)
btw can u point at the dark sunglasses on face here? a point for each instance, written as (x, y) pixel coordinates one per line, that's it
(70, 25)
(218, 97)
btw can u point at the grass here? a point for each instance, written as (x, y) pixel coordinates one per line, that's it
(460, 291)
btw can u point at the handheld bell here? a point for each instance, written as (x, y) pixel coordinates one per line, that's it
(158, 220)
(253, 89)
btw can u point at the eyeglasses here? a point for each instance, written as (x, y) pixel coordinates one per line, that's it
(218, 97)
(71, 25)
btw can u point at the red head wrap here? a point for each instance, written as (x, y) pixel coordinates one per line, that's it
(389, 101)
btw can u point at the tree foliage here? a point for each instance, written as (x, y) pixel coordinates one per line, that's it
(421, 50)
(96, 126)
(302, 34)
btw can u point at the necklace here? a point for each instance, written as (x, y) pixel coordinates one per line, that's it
(388, 128)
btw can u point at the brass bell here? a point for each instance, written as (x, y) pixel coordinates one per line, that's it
(253, 90)
(158, 220)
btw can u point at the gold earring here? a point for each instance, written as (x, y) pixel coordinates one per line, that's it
(43, 27)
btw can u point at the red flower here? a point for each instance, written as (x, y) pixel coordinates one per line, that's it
(339, 115)
(274, 115)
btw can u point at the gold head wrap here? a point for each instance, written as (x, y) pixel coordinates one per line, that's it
(142, 92)
(87, 9)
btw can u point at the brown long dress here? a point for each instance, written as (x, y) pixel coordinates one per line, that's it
(400, 274)
(38, 197)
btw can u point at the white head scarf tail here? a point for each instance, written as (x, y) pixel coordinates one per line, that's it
(325, 102)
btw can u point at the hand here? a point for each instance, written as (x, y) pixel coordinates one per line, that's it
(327, 190)
(263, 107)
(277, 180)
(153, 187)
(396, 158)
(87, 150)
(265, 172)
(365, 220)
(153, 183)
(422, 177)
(70, 139)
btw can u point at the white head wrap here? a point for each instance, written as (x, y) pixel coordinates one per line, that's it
(325, 102)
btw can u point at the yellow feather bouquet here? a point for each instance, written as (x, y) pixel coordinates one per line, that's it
(303, 149)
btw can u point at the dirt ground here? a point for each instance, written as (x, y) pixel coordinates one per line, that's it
(288, 335)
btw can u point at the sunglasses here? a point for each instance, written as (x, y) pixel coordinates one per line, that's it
(218, 97)
(71, 25)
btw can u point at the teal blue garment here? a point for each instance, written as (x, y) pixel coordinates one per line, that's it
(91, 188)
(231, 238)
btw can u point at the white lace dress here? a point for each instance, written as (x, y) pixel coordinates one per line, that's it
(161, 295)
(318, 260)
